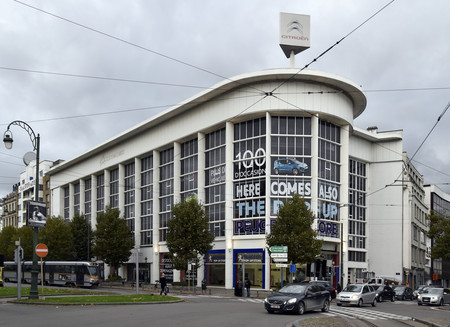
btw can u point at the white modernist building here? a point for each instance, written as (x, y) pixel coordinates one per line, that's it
(243, 147)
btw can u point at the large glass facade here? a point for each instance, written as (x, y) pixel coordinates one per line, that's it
(129, 195)
(147, 201)
(189, 169)
(166, 189)
(357, 211)
(249, 171)
(215, 181)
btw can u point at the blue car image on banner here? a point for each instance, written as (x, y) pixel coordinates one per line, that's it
(289, 166)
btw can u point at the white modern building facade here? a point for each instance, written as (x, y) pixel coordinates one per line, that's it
(242, 148)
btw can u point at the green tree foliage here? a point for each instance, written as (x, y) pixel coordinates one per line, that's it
(8, 237)
(293, 228)
(440, 233)
(188, 236)
(82, 237)
(6, 240)
(57, 235)
(113, 239)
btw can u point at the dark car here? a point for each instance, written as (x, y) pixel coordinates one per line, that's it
(298, 298)
(385, 292)
(325, 284)
(403, 293)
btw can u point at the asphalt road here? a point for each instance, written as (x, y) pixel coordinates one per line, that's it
(203, 311)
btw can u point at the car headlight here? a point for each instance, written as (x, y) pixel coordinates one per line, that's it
(291, 301)
(355, 297)
(266, 300)
(434, 298)
(419, 297)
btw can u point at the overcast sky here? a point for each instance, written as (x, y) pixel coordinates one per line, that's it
(166, 51)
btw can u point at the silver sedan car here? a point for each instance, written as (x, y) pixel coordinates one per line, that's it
(357, 294)
(434, 295)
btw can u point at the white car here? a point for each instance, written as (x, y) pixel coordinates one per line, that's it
(357, 294)
(434, 295)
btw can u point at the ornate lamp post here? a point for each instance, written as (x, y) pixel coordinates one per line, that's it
(8, 140)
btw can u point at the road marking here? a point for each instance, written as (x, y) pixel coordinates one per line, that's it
(367, 314)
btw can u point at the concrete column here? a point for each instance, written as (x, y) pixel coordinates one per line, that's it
(229, 205)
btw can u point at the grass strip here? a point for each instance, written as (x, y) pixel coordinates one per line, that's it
(134, 298)
(12, 291)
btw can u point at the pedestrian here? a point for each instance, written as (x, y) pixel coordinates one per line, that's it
(247, 286)
(204, 286)
(163, 282)
(338, 288)
(238, 288)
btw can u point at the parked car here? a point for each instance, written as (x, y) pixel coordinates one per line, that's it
(325, 284)
(385, 292)
(290, 166)
(298, 298)
(357, 294)
(434, 295)
(418, 290)
(403, 293)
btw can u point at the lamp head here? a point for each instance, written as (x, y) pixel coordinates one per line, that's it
(8, 140)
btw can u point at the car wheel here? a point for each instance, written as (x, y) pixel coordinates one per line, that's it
(339, 304)
(441, 303)
(392, 298)
(301, 308)
(419, 303)
(270, 311)
(374, 302)
(360, 303)
(295, 171)
(380, 298)
(326, 306)
(276, 171)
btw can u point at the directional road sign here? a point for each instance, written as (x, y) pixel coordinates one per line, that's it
(278, 249)
(278, 255)
(280, 259)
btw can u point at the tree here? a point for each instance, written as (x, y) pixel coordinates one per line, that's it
(6, 239)
(188, 236)
(58, 238)
(293, 229)
(439, 232)
(113, 239)
(82, 237)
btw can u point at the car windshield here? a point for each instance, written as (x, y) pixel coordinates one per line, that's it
(352, 288)
(399, 289)
(434, 290)
(293, 288)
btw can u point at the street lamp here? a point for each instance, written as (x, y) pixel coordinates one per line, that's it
(8, 140)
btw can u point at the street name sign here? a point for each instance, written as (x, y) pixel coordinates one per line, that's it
(278, 255)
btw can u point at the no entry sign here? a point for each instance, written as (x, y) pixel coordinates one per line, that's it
(41, 250)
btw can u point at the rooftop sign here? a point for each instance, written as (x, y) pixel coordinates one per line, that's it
(294, 33)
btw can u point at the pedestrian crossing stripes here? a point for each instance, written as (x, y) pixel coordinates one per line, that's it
(366, 313)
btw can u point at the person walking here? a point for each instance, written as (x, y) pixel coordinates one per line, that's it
(163, 282)
(247, 286)
(204, 286)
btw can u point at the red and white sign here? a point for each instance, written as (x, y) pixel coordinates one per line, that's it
(41, 250)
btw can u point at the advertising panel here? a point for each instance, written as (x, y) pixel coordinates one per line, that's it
(293, 166)
(36, 214)
(294, 33)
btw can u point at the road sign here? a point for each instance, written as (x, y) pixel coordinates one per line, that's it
(41, 250)
(278, 249)
(280, 259)
(281, 265)
(278, 255)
